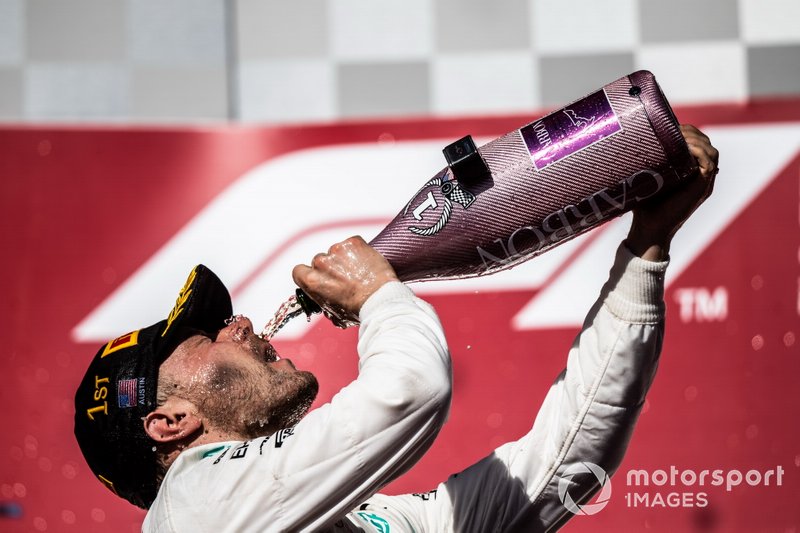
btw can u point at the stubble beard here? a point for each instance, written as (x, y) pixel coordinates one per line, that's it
(256, 402)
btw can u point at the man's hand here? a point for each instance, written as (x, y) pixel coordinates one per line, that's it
(341, 280)
(657, 221)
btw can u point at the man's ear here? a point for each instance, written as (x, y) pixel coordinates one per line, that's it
(175, 420)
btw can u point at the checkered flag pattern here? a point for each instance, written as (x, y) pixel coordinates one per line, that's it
(460, 196)
(269, 61)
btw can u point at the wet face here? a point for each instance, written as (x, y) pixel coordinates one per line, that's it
(238, 382)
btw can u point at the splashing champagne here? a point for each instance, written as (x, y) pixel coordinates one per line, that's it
(525, 192)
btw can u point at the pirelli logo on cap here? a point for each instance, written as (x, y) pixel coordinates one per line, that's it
(125, 341)
(180, 303)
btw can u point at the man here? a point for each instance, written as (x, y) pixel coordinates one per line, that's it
(199, 420)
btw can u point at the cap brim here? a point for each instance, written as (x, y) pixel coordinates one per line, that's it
(204, 304)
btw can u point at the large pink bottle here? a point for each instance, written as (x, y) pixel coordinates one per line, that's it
(523, 193)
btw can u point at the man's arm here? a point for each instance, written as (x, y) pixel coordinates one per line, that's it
(380, 425)
(590, 410)
(626, 323)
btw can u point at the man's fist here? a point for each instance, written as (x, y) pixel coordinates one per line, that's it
(341, 280)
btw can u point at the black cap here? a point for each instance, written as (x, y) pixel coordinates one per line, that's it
(119, 389)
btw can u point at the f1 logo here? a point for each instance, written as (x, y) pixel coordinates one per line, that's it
(258, 275)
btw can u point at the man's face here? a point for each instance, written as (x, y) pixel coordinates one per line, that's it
(238, 382)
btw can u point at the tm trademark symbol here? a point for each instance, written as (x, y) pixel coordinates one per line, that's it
(700, 304)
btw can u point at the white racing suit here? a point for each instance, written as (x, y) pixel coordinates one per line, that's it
(323, 473)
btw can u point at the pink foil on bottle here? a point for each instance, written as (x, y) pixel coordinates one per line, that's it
(569, 130)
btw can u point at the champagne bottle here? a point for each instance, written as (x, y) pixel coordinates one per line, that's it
(536, 187)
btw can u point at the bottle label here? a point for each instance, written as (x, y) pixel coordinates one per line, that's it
(571, 129)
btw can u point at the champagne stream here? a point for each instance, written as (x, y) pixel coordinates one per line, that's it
(287, 311)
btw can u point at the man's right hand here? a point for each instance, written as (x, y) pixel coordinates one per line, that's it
(341, 280)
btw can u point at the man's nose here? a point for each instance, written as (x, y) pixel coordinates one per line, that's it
(238, 328)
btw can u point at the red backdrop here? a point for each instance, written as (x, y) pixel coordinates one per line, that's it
(83, 209)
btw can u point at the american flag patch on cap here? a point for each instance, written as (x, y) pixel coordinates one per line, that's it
(127, 392)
